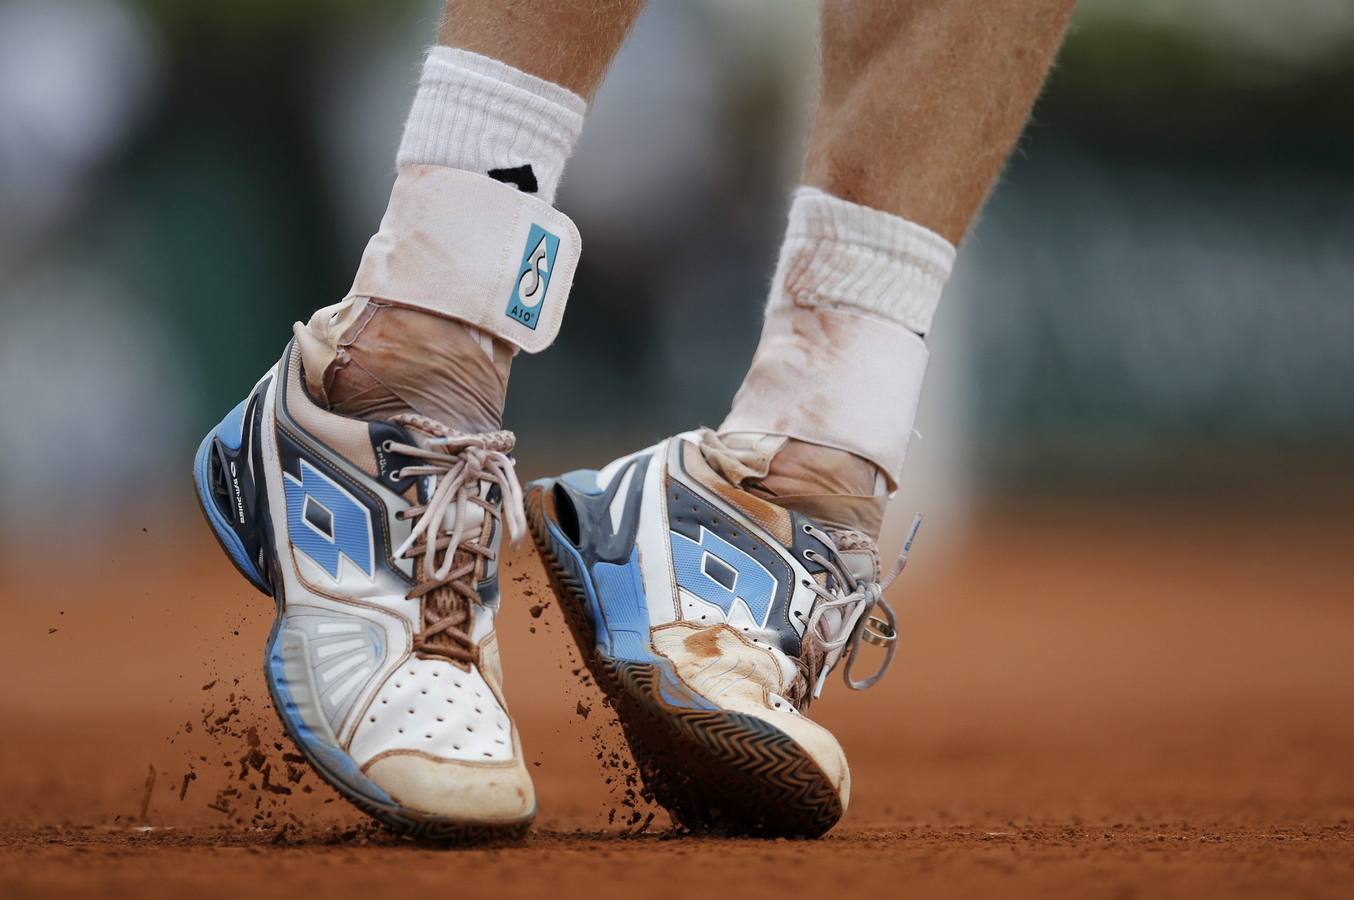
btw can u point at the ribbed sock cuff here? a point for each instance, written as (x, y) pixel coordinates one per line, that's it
(841, 254)
(478, 114)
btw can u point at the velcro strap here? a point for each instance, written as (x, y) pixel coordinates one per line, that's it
(468, 247)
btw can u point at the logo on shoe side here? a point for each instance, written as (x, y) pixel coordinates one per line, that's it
(326, 523)
(721, 574)
(533, 277)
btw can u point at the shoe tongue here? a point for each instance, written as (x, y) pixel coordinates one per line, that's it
(863, 565)
(859, 554)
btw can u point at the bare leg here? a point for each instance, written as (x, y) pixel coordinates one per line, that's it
(568, 42)
(922, 100)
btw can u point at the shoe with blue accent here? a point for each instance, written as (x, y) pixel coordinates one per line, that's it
(711, 618)
(379, 542)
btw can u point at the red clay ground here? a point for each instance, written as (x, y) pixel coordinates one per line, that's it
(1154, 703)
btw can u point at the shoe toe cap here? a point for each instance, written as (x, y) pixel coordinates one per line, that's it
(817, 743)
(488, 793)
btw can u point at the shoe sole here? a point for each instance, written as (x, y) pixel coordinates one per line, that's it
(713, 770)
(335, 767)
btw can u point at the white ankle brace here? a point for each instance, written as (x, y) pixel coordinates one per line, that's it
(841, 359)
(465, 246)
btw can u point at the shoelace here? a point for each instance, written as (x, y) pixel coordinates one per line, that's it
(456, 464)
(858, 603)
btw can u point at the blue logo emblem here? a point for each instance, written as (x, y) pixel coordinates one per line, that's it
(324, 522)
(533, 277)
(719, 573)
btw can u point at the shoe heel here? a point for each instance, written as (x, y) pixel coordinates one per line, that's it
(229, 435)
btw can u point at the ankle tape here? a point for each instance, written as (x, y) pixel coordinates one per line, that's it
(465, 246)
(837, 378)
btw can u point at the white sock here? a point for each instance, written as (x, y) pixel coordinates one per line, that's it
(841, 254)
(478, 114)
(841, 358)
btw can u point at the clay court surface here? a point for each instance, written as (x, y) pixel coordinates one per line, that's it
(1154, 702)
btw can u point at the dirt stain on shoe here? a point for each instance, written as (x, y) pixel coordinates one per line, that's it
(703, 644)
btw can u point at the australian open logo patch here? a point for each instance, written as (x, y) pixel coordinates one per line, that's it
(533, 277)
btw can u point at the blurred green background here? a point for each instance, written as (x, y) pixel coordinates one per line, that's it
(1158, 298)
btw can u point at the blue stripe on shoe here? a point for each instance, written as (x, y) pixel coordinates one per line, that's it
(582, 480)
(625, 609)
(618, 609)
(334, 764)
(230, 428)
(569, 558)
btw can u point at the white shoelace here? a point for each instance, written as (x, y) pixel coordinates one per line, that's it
(456, 464)
(857, 605)
(466, 461)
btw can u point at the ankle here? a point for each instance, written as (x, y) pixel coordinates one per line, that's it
(372, 361)
(834, 487)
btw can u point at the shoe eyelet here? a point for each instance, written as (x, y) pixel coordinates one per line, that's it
(387, 445)
(808, 529)
(395, 474)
